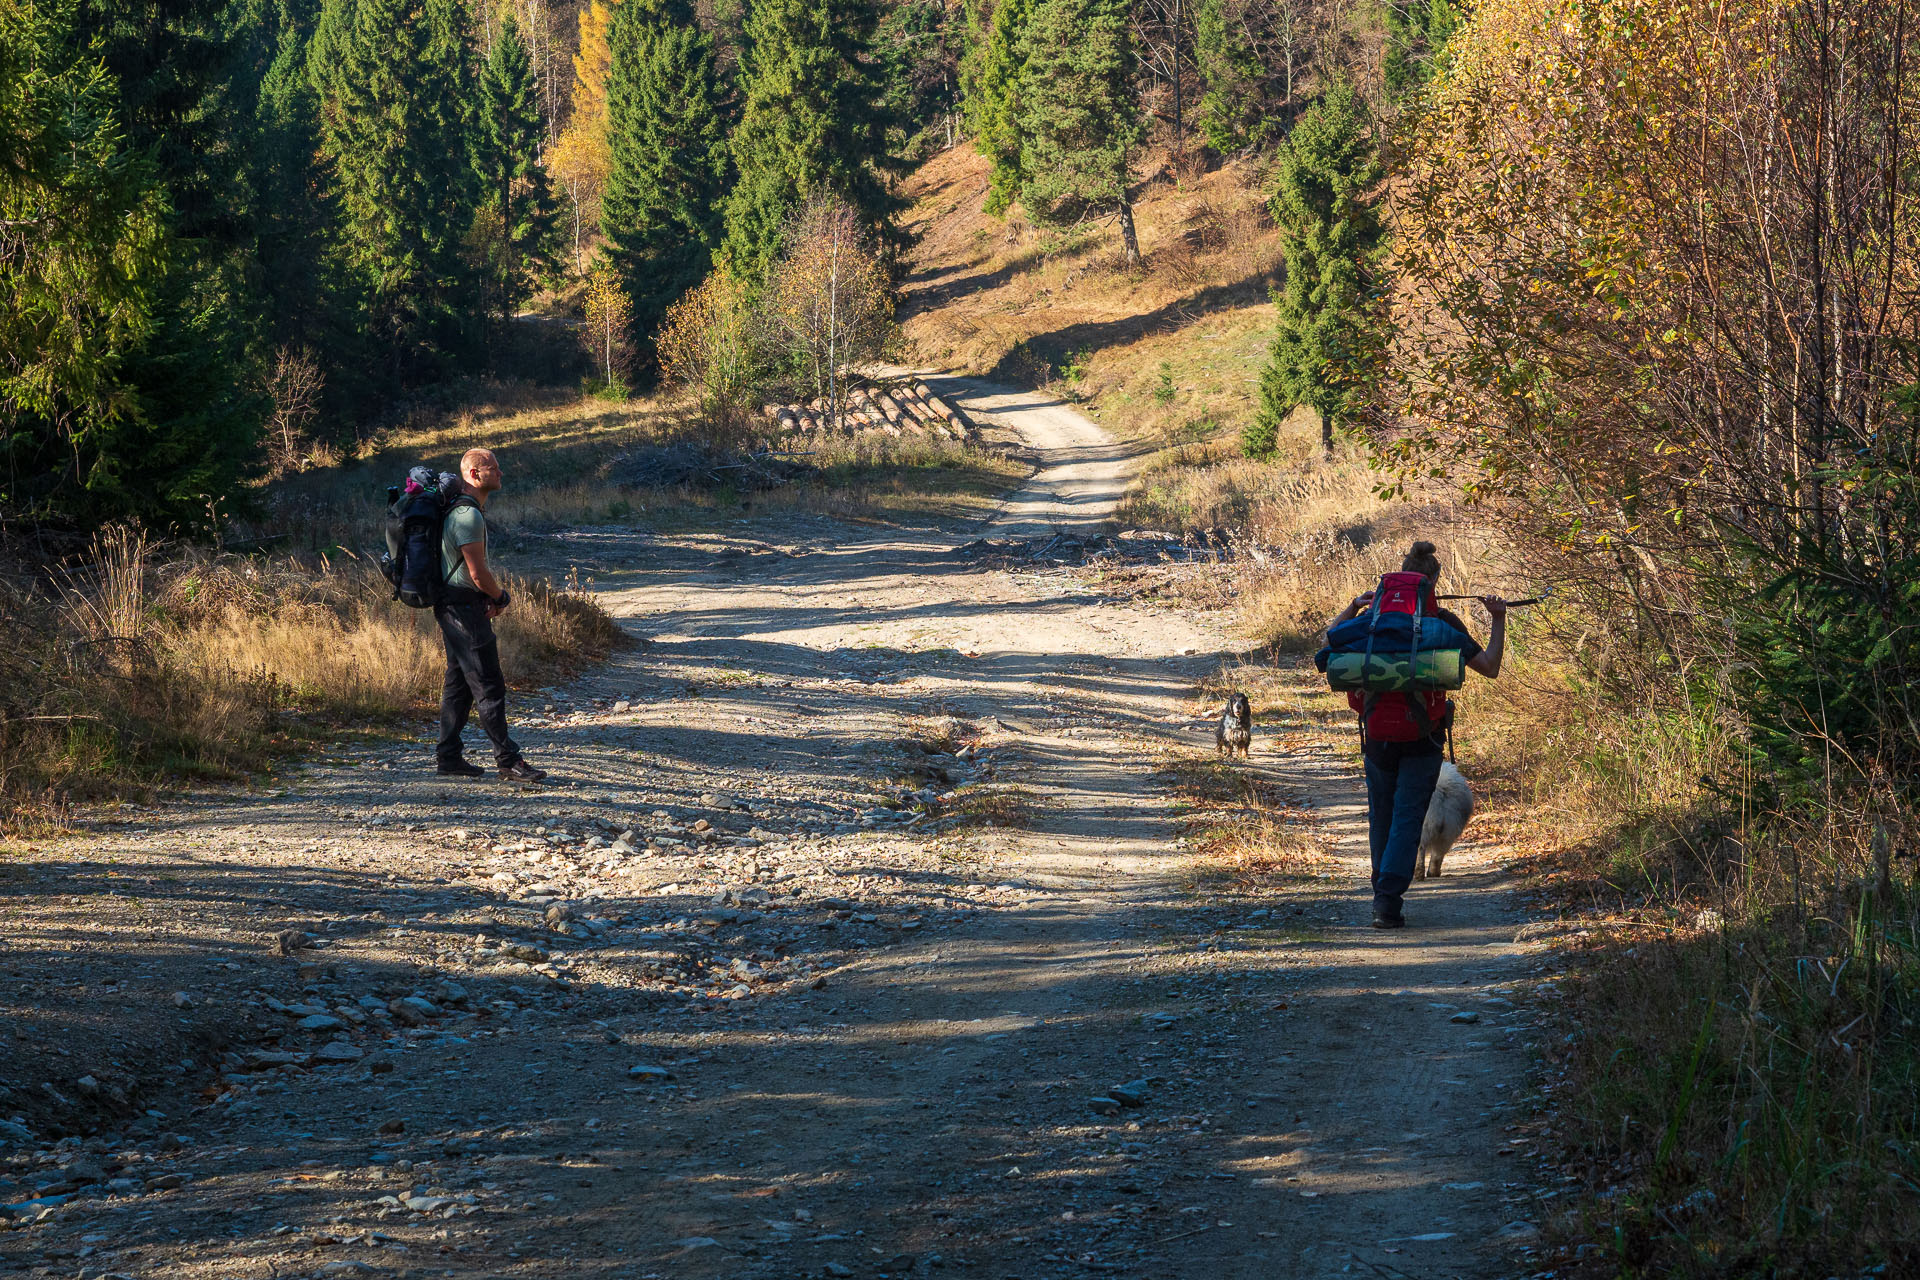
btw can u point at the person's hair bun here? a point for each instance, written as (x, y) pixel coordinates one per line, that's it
(1421, 560)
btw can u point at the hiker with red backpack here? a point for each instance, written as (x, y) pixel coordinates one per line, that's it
(437, 558)
(1395, 653)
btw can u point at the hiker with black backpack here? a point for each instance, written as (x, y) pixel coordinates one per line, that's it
(437, 557)
(1395, 653)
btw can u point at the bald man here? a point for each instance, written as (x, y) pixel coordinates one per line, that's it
(472, 600)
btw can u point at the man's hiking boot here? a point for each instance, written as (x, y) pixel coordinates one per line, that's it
(521, 771)
(461, 769)
(1381, 920)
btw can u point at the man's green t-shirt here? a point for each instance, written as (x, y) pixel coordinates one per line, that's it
(464, 524)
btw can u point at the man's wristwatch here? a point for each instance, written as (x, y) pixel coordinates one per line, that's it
(501, 601)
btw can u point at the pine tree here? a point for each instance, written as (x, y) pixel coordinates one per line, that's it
(1417, 35)
(121, 319)
(993, 98)
(395, 109)
(811, 120)
(1235, 113)
(184, 426)
(1079, 117)
(917, 44)
(516, 190)
(667, 135)
(1332, 238)
(295, 217)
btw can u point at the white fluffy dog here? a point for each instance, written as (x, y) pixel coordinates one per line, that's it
(1447, 815)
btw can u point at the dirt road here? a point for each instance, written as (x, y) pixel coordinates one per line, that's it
(832, 999)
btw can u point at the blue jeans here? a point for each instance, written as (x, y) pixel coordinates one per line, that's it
(1400, 780)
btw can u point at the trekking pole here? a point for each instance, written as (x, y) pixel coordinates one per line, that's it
(1511, 604)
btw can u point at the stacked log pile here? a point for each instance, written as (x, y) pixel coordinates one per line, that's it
(897, 410)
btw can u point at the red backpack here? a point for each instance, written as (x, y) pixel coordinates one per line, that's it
(1419, 713)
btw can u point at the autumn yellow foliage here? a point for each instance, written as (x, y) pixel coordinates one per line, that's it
(706, 345)
(1659, 312)
(608, 314)
(581, 156)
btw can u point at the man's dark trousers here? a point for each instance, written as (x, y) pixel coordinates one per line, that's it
(474, 682)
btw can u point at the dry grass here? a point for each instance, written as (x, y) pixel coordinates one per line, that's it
(1739, 1058)
(1152, 349)
(166, 663)
(149, 668)
(992, 804)
(1244, 829)
(570, 460)
(1735, 1059)
(1242, 832)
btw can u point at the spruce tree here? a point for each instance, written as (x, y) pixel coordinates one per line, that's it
(1078, 116)
(184, 426)
(667, 135)
(917, 44)
(515, 185)
(994, 110)
(812, 119)
(1235, 112)
(123, 317)
(1417, 35)
(1332, 238)
(294, 218)
(397, 101)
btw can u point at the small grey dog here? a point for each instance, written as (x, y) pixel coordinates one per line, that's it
(1235, 730)
(1447, 815)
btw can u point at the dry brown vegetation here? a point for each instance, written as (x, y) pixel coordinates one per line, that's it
(571, 460)
(1169, 348)
(148, 665)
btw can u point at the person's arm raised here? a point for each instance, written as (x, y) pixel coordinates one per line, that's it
(1487, 661)
(1355, 607)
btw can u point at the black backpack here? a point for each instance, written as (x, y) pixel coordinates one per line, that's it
(416, 516)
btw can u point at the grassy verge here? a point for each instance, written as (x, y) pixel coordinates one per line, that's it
(151, 668)
(1168, 347)
(571, 461)
(1734, 1055)
(1735, 1060)
(1244, 831)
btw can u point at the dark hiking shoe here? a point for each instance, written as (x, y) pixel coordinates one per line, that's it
(521, 771)
(1381, 920)
(461, 769)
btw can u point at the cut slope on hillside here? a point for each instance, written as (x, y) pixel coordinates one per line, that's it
(1166, 350)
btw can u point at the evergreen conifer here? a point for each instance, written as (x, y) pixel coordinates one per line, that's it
(660, 212)
(1079, 117)
(122, 316)
(397, 100)
(811, 119)
(515, 184)
(294, 219)
(1234, 112)
(1417, 35)
(993, 98)
(1332, 237)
